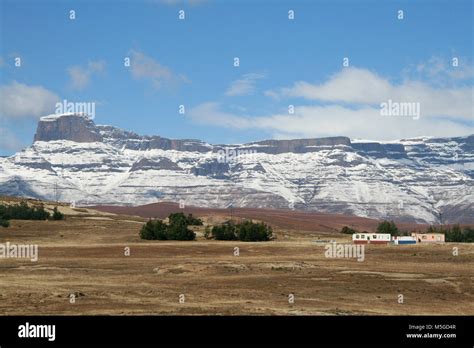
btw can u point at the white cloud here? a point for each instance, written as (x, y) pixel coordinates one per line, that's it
(272, 94)
(244, 85)
(363, 87)
(318, 121)
(349, 85)
(349, 103)
(210, 113)
(81, 75)
(23, 101)
(145, 67)
(442, 71)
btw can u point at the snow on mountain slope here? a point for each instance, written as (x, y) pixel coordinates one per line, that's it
(423, 180)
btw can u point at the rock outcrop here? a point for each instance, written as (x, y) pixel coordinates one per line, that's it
(72, 127)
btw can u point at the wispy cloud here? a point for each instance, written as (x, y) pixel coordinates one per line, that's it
(244, 86)
(331, 120)
(80, 76)
(363, 87)
(144, 67)
(24, 101)
(349, 103)
(442, 71)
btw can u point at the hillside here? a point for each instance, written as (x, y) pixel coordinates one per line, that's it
(422, 180)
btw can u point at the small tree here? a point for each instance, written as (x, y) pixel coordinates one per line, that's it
(194, 221)
(160, 230)
(179, 231)
(468, 234)
(23, 212)
(226, 231)
(176, 218)
(57, 215)
(388, 227)
(147, 232)
(250, 232)
(188, 220)
(455, 234)
(38, 213)
(348, 230)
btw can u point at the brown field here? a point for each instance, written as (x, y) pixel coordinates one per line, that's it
(84, 255)
(288, 219)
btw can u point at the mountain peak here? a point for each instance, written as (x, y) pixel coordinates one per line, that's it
(76, 127)
(419, 180)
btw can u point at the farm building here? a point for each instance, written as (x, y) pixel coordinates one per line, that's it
(371, 238)
(403, 240)
(428, 237)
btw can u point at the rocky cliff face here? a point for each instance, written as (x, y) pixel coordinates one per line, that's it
(423, 180)
(81, 129)
(395, 151)
(297, 145)
(67, 127)
(132, 141)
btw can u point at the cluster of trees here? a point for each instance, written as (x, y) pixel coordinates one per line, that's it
(57, 215)
(181, 218)
(23, 211)
(383, 227)
(348, 230)
(454, 233)
(388, 227)
(247, 231)
(177, 229)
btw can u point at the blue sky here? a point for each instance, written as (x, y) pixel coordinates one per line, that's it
(282, 62)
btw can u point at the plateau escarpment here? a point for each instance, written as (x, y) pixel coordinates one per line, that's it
(417, 180)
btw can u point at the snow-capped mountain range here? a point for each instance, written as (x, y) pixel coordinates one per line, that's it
(72, 159)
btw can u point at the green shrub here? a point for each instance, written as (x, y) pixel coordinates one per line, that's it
(192, 221)
(177, 218)
(179, 231)
(249, 231)
(158, 230)
(225, 231)
(146, 231)
(57, 215)
(458, 235)
(188, 220)
(455, 233)
(4, 223)
(388, 227)
(23, 212)
(348, 230)
(468, 234)
(246, 231)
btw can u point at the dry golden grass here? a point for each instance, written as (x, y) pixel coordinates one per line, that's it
(84, 255)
